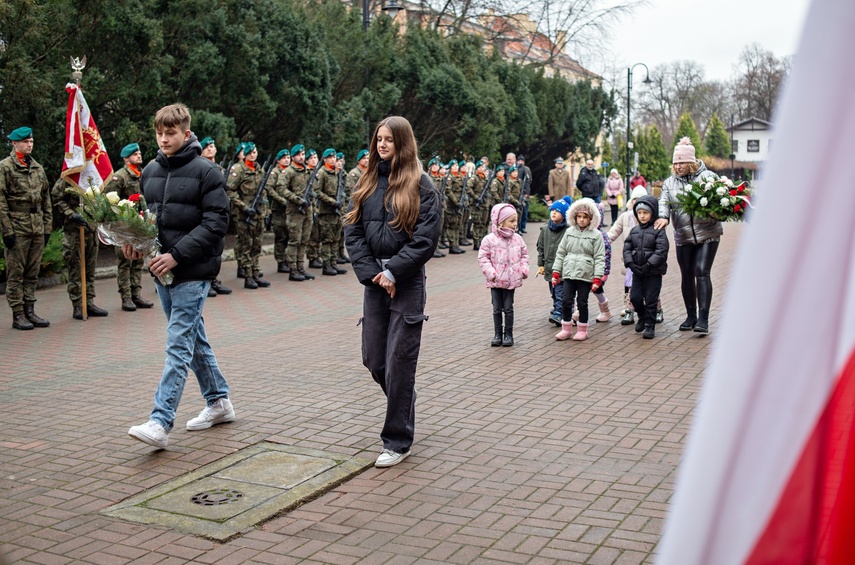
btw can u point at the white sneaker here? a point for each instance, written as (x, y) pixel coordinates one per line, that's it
(391, 458)
(151, 433)
(219, 412)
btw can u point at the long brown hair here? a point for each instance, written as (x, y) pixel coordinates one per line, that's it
(402, 196)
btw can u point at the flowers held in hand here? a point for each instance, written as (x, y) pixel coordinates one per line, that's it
(130, 215)
(729, 204)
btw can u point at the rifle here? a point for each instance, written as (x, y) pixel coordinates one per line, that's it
(340, 192)
(308, 192)
(223, 161)
(460, 203)
(480, 201)
(442, 187)
(267, 170)
(231, 162)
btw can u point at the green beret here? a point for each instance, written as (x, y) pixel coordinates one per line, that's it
(479, 164)
(132, 148)
(299, 148)
(361, 154)
(433, 162)
(205, 142)
(282, 153)
(248, 147)
(512, 170)
(452, 163)
(339, 155)
(311, 152)
(462, 163)
(330, 152)
(21, 134)
(241, 147)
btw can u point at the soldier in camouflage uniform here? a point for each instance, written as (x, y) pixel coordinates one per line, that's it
(25, 222)
(242, 185)
(480, 210)
(67, 203)
(514, 189)
(329, 214)
(433, 173)
(453, 190)
(351, 181)
(209, 152)
(126, 181)
(313, 246)
(278, 205)
(340, 171)
(298, 214)
(471, 195)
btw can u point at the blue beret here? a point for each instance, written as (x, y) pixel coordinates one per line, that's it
(21, 134)
(297, 149)
(282, 153)
(361, 154)
(330, 152)
(206, 142)
(132, 148)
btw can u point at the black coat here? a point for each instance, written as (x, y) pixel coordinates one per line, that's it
(645, 251)
(188, 194)
(589, 183)
(372, 239)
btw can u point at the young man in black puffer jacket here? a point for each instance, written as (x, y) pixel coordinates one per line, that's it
(645, 253)
(188, 195)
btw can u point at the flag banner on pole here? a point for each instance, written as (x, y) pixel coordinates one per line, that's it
(86, 161)
(769, 471)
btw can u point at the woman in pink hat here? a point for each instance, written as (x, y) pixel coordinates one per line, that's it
(696, 238)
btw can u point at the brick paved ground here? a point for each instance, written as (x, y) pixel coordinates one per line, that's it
(547, 452)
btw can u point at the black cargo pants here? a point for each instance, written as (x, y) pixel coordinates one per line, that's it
(391, 339)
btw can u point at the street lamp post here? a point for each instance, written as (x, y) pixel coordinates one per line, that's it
(392, 9)
(628, 111)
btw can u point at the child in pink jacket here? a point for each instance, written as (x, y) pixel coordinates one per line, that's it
(504, 261)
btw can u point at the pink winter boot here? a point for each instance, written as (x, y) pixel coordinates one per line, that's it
(605, 314)
(581, 333)
(566, 331)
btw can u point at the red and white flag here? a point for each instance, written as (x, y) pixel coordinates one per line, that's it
(86, 161)
(769, 472)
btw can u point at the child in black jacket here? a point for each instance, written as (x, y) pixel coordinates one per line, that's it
(645, 253)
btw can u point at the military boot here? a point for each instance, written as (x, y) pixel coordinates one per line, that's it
(128, 305)
(316, 264)
(249, 282)
(283, 268)
(20, 321)
(306, 275)
(260, 281)
(218, 287)
(329, 271)
(339, 270)
(30, 314)
(141, 302)
(95, 311)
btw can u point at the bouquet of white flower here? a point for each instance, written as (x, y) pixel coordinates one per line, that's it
(716, 198)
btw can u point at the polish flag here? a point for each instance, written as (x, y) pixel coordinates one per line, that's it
(86, 161)
(769, 471)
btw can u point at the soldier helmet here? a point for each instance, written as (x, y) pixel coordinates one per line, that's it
(132, 148)
(21, 134)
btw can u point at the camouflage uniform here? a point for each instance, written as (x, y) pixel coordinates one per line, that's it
(25, 212)
(451, 225)
(68, 203)
(278, 205)
(514, 187)
(125, 181)
(480, 212)
(242, 184)
(329, 219)
(299, 219)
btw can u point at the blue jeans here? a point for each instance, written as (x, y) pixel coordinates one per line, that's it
(187, 347)
(555, 292)
(524, 214)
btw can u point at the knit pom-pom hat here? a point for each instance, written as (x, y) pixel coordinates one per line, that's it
(684, 151)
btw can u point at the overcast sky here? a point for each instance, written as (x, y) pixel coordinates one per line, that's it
(711, 32)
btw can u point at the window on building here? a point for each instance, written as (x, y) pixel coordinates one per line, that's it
(753, 146)
(734, 146)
